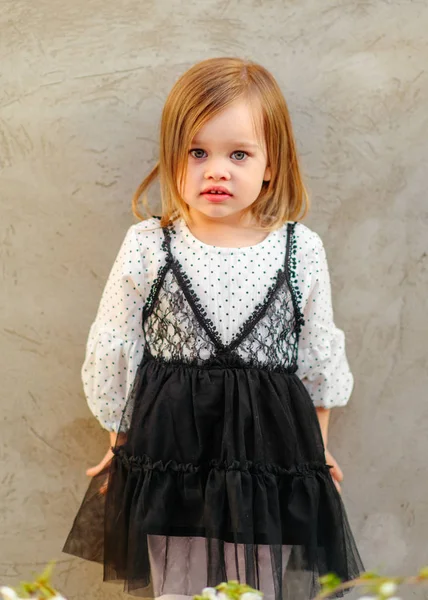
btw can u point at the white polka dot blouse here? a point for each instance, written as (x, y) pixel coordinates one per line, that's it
(229, 283)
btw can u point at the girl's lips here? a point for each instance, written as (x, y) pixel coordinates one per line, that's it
(215, 198)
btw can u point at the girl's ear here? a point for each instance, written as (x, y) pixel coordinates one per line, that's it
(268, 174)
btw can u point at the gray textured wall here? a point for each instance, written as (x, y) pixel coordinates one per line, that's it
(82, 87)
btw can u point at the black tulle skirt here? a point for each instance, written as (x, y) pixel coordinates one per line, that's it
(222, 476)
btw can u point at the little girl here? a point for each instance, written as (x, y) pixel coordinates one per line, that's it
(214, 361)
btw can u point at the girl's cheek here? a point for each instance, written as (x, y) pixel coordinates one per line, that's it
(192, 171)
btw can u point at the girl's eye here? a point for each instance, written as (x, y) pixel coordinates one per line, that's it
(197, 153)
(239, 155)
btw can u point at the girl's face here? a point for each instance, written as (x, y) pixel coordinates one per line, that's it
(227, 158)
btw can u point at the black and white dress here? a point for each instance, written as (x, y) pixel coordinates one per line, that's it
(212, 360)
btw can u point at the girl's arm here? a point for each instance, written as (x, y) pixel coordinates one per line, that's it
(322, 362)
(323, 415)
(115, 344)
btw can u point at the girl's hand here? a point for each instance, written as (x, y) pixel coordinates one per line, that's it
(106, 460)
(336, 471)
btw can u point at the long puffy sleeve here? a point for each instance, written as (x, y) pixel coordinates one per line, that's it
(322, 363)
(115, 342)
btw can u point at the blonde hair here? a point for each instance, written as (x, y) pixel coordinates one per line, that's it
(201, 93)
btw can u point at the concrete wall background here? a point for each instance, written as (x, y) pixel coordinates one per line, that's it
(82, 87)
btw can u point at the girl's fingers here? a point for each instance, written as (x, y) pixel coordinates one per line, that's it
(103, 488)
(337, 484)
(101, 465)
(336, 471)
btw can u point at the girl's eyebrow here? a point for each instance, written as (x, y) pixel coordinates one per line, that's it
(252, 145)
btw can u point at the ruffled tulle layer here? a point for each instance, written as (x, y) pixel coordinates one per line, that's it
(238, 503)
(222, 476)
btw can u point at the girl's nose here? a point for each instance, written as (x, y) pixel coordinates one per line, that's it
(217, 170)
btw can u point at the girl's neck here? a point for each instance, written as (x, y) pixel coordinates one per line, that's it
(226, 233)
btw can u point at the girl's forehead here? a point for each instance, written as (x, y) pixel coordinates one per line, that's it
(236, 123)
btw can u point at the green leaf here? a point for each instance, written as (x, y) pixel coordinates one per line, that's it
(330, 582)
(41, 587)
(233, 589)
(46, 576)
(22, 590)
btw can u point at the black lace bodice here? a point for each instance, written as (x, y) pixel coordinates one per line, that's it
(178, 329)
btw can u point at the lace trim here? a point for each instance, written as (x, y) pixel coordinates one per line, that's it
(291, 268)
(157, 284)
(145, 463)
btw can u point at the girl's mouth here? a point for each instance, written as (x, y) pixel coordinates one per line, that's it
(216, 197)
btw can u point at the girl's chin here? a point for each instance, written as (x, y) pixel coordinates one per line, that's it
(216, 211)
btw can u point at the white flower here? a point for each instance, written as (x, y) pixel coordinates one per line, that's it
(251, 596)
(8, 593)
(209, 593)
(367, 598)
(222, 596)
(388, 588)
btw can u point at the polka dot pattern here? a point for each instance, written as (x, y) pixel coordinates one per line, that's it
(229, 283)
(322, 362)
